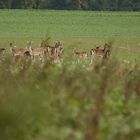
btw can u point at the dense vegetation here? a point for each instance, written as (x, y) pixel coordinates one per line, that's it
(129, 5)
(73, 101)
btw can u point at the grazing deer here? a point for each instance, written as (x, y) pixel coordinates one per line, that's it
(16, 52)
(81, 55)
(2, 50)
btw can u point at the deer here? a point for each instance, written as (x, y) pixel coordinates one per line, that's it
(58, 49)
(102, 53)
(36, 52)
(52, 51)
(18, 52)
(82, 55)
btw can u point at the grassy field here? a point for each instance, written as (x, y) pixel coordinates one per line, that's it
(69, 100)
(28, 23)
(82, 29)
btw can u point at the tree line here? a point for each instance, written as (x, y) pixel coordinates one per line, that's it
(112, 5)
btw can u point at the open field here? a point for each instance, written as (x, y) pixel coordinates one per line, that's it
(82, 29)
(70, 100)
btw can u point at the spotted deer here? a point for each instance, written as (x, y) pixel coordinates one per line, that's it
(52, 51)
(102, 53)
(18, 52)
(82, 55)
(36, 52)
(58, 49)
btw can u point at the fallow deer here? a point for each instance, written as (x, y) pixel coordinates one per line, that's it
(36, 52)
(58, 49)
(18, 52)
(48, 50)
(102, 53)
(81, 55)
(51, 51)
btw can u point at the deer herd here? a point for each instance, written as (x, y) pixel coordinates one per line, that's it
(56, 51)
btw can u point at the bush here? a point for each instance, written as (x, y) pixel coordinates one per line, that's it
(68, 101)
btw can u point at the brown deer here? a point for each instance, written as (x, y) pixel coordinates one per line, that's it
(18, 52)
(36, 52)
(81, 55)
(52, 51)
(58, 49)
(102, 53)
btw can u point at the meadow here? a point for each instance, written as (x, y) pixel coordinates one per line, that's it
(70, 101)
(82, 29)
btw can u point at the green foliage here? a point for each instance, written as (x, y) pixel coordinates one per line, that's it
(57, 101)
(74, 4)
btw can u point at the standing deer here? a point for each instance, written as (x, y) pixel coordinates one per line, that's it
(101, 53)
(58, 49)
(52, 51)
(36, 52)
(18, 52)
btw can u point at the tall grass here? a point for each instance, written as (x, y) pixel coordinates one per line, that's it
(68, 101)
